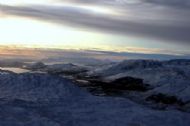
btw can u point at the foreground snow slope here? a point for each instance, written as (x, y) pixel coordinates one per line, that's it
(42, 100)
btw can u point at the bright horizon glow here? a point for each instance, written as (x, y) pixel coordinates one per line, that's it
(23, 2)
(23, 31)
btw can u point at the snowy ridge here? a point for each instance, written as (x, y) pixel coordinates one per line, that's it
(36, 87)
(65, 68)
(130, 65)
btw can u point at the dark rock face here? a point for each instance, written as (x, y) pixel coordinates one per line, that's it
(130, 83)
(118, 85)
(165, 99)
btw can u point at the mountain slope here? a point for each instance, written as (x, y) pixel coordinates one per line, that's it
(35, 99)
(167, 77)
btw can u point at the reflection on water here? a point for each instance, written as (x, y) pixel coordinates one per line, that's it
(14, 69)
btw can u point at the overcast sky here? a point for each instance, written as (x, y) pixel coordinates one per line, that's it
(161, 26)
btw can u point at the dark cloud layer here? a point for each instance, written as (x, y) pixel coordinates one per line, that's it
(174, 3)
(159, 19)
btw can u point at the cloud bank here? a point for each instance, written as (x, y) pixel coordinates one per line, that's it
(156, 19)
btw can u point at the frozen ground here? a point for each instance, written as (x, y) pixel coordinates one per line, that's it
(34, 99)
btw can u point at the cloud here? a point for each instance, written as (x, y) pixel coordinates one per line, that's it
(143, 18)
(172, 3)
(185, 4)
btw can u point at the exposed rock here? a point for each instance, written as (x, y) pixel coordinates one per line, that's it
(130, 83)
(119, 85)
(165, 99)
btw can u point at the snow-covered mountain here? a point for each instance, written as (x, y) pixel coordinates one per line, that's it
(166, 77)
(127, 65)
(66, 69)
(34, 99)
(170, 78)
(35, 66)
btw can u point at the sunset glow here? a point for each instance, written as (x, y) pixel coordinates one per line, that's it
(23, 31)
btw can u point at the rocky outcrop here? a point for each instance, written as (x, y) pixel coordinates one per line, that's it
(130, 83)
(165, 99)
(119, 85)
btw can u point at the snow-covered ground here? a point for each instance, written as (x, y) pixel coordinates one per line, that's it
(40, 99)
(34, 99)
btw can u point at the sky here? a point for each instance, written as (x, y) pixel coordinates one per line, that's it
(143, 26)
